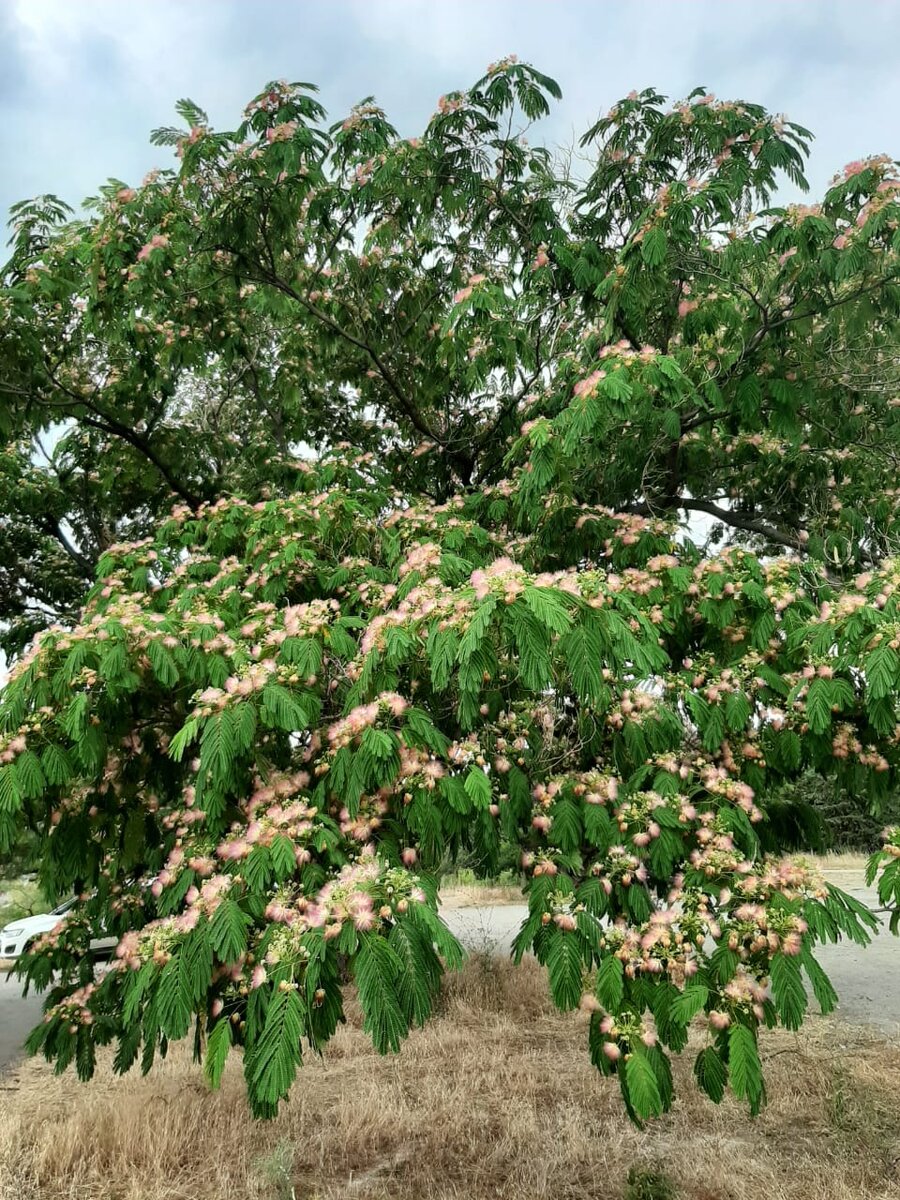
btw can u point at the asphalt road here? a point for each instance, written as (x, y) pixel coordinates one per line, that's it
(867, 980)
(18, 1016)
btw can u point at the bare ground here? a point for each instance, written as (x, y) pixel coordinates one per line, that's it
(495, 1098)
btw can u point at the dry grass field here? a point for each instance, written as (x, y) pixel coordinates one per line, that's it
(496, 1098)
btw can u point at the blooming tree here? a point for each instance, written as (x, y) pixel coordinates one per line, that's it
(430, 412)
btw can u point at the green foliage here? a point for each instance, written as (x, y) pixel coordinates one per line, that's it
(21, 898)
(744, 1067)
(818, 813)
(649, 1183)
(249, 731)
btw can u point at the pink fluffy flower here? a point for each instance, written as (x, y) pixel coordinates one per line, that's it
(157, 242)
(585, 386)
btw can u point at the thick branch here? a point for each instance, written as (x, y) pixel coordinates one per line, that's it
(408, 408)
(56, 530)
(108, 424)
(781, 537)
(791, 540)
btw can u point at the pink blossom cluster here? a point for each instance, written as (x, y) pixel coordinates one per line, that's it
(158, 242)
(653, 948)
(364, 824)
(502, 577)
(359, 114)
(891, 839)
(588, 385)
(74, 1010)
(267, 821)
(756, 929)
(620, 865)
(596, 787)
(237, 687)
(749, 920)
(155, 941)
(846, 744)
(716, 855)
(421, 558)
(283, 132)
(270, 625)
(363, 893)
(876, 162)
(744, 994)
(502, 64)
(349, 897)
(428, 600)
(449, 104)
(386, 706)
(12, 747)
(278, 95)
(465, 752)
(622, 1032)
(635, 706)
(418, 769)
(465, 292)
(640, 813)
(719, 782)
(627, 528)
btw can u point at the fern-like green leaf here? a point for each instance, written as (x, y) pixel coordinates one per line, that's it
(378, 970)
(217, 1047)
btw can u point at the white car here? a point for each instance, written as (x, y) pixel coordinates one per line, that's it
(17, 935)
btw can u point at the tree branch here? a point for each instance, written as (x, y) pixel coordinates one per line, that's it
(55, 529)
(787, 538)
(108, 424)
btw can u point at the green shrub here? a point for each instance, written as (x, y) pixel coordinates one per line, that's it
(649, 1183)
(815, 813)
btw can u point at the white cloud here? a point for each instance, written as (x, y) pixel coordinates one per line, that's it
(101, 73)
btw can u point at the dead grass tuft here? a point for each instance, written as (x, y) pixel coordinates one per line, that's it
(496, 1098)
(840, 862)
(480, 895)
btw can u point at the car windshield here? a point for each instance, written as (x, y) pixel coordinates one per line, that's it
(63, 908)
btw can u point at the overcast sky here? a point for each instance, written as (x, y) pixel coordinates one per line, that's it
(82, 82)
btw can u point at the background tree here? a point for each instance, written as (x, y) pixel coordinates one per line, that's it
(294, 287)
(430, 411)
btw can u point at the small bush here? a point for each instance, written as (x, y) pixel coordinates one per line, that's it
(816, 814)
(649, 1183)
(275, 1169)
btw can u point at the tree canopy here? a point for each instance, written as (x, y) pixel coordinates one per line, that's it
(433, 414)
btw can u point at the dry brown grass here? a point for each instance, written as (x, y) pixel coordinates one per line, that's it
(841, 862)
(480, 895)
(496, 1098)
